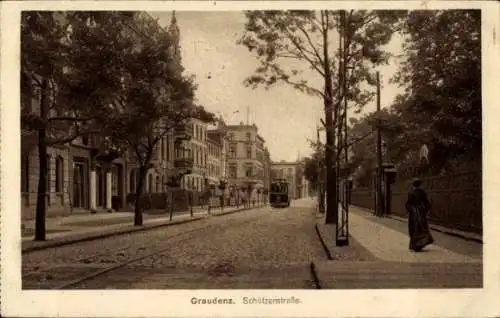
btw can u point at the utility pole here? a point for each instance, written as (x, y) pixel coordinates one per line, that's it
(341, 94)
(344, 83)
(379, 204)
(346, 52)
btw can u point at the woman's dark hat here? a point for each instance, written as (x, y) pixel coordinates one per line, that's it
(417, 182)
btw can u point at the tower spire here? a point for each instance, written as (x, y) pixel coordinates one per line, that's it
(174, 32)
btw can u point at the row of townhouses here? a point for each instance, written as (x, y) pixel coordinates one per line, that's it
(78, 181)
(81, 180)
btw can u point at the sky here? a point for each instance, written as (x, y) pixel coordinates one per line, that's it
(286, 118)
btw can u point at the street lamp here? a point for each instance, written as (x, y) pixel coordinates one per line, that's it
(222, 187)
(319, 173)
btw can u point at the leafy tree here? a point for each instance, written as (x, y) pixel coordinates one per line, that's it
(294, 45)
(56, 108)
(441, 72)
(156, 99)
(311, 169)
(441, 104)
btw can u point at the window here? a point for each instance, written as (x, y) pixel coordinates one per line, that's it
(150, 183)
(158, 184)
(48, 175)
(114, 181)
(59, 174)
(232, 150)
(25, 166)
(249, 151)
(231, 136)
(249, 136)
(249, 171)
(233, 171)
(162, 148)
(167, 148)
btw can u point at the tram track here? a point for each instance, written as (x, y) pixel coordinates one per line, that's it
(108, 269)
(90, 266)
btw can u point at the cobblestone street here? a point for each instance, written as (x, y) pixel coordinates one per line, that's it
(261, 248)
(258, 248)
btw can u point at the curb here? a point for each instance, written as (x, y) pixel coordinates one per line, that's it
(443, 230)
(82, 238)
(77, 239)
(322, 241)
(234, 211)
(314, 274)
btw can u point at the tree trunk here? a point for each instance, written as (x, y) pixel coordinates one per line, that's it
(331, 177)
(41, 203)
(138, 195)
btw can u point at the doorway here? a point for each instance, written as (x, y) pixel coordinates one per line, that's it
(79, 185)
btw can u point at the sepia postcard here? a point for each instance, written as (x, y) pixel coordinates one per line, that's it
(249, 158)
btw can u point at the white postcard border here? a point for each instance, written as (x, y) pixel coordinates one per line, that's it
(342, 303)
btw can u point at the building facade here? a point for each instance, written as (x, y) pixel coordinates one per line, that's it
(198, 144)
(80, 176)
(267, 170)
(246, 160)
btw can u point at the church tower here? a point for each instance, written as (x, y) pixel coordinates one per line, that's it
(174, 32)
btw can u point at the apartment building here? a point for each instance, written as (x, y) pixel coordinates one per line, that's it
(267, 169)
(246, 158)
(199, 150)
(81, 177)
(215, 169)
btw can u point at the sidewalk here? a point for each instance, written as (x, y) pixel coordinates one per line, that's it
(378, 257)
(462, 234)
(391, 245)
(85, 227)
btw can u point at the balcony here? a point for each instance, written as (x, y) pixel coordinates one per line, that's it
(183, 160)
(183, 132)
(184, 163)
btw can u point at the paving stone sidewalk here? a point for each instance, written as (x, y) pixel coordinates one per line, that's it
(378, 257)
(443, 229)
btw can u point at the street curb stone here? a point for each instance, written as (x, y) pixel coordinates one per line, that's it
(353, 251)
(33, 246)
(327, 250)
(442, 229)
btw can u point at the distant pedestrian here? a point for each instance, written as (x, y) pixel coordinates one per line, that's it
(418, 206)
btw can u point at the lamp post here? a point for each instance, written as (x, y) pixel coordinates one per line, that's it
(222, 187)
(319, 172)
(206, 192)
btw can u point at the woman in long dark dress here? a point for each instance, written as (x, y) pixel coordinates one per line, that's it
(417, 207)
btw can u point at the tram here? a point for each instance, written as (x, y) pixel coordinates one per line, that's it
(278, 194)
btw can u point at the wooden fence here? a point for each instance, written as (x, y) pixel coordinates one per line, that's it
(456, 199)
